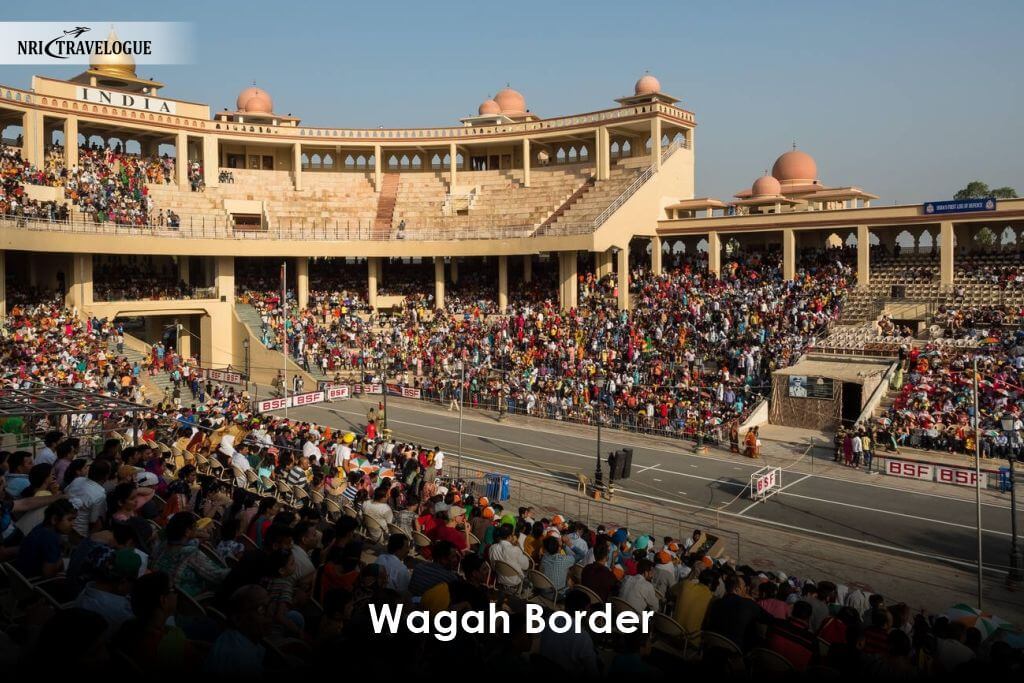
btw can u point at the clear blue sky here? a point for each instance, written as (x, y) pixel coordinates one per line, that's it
(907, 99)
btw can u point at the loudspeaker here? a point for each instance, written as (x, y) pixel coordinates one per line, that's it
(614, 465)
(625, 462)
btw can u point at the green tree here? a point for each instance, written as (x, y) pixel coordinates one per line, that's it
(976, 189)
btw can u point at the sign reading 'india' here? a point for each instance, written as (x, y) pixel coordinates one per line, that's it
(127, 100)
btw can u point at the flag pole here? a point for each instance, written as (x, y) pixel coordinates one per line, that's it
(284, 332)
(977, 473)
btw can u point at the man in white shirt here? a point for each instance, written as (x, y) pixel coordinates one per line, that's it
(665, 575)
(393, 562)
(438, 461)
(310, 449)
(341, 453)
(638, 590)
(379, 510)
(46, 454)
(89, 498)
(511, 553)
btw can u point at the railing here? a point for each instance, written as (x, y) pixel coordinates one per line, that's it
(635, 185)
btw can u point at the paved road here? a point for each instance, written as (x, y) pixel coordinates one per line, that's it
(880, 512)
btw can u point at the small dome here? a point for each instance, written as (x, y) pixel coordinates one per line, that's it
(795, 165)
(511, 101)
(766, 186)
(489, 106)
(254, 101)
(114, 65)
(647, 85)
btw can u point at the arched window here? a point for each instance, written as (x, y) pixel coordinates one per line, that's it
(458, 160)
(584, 153)
(702, 246)
(627, 149)
(560, 156)
(350, 162)
(417, 163)
(572, 155)
(436, 161)
(404, 162)
(393, 162)
(315, 161)
(328, 161)
(614, 150)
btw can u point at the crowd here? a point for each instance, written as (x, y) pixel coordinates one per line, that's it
(15, 173)
(694, 350)
(118, 279)
(212, 540)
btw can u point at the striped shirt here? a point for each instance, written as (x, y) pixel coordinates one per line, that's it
(296, 476)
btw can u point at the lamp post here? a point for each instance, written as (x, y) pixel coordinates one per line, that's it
(384, 387)
(245, 348)
(462, 403)
(1008, 421)
(598, 476)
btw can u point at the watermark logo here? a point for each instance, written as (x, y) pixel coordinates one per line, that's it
(79, 42)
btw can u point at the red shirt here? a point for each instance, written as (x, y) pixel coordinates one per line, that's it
(454, 536)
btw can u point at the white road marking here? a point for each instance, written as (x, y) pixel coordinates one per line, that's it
(649, 467)
(658, 480)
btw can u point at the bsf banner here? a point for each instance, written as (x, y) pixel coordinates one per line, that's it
(910, 470)
(224, 376)
(338, 391)
(405, 392)
(293, 401)
(369, 388)
(958, 476)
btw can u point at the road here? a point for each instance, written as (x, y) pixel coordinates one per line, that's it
(879, 512)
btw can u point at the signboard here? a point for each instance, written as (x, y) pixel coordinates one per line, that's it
(126, 100)
(338, 392)
(960, 205)
(797, 386)
(765, 482)
(910, 470)
(960, 476)
(293, 401)
(801, 386)
(406, 392)
(369, 388)
(225, 376)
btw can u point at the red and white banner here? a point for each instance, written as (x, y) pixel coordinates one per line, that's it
(337, 392)
(959, 476)
(293, 401)
(369, 388)
(406, 392)
(767, 481)
(225, 376)
(908, 469)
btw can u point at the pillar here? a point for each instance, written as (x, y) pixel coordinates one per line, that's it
(526, 162)
(302, 281)
(788, 254)
(567, 277)
(373, 270)
(863, 256)
(455, 270)
(656, 143)
(297, 164)
(439, 282)
(32, 148)
(452, 151)
(603, 157)
(714, 254)
(3, 286)
(378, 174)
(946, 253)
(623, 278)
(224, 278)
(502, 283)
(183, 270)
(211, 161)
(80, 287)
(184, 345)
(71, 141)
(656, 255)
(181, 160)
(527, 268)
(599, 153)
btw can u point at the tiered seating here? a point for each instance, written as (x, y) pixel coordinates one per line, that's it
(590, 204)
(195, 209)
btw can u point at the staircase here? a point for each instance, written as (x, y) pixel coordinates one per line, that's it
(386, 200)
(250, 317)
(158, 386)
(573, 198)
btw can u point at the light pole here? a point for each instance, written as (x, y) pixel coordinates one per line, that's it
(462, 403)
(245, 347)
(384, 386)
(1008, 421)
(598, 476)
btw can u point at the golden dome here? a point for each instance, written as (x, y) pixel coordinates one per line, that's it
(122, 66)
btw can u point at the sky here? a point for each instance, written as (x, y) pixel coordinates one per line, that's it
(909, 100)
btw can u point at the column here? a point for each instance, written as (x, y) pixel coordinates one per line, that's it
(224, 278)
(526, 162)
(3, 286)
(184, 344)
(623, 278)
(183, 270)
(656, 143)
(297, 164)
(80, 288)
(32, 133)
(378, 175)
(455, 270)
(946, 253)
(302, 281)
(599, 153)
(211, 161)
(714, 254)
(788, 254)
(181, 160)
(604, 154)
(452, 151)
(502, 283)
(568, 279)
(656, 255)
(863, 256)
(602, 263)
(373, 268)
(71, 141)
(527, 268)
(439, 282)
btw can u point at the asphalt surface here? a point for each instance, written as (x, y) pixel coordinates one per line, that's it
(880, 512)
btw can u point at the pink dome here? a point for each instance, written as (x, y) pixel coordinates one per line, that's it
(511, 101)
(647, 85)
(766, 186)
(489, 106)
(795, 165)
(254, 100)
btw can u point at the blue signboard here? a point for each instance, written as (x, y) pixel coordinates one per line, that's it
(961, 205)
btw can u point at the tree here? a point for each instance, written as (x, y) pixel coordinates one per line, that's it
(976, 189)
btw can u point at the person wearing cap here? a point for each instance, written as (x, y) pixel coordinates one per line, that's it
(454, 530)
(482, 521)
(665, 575)
(510, 553)
(107, 594)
